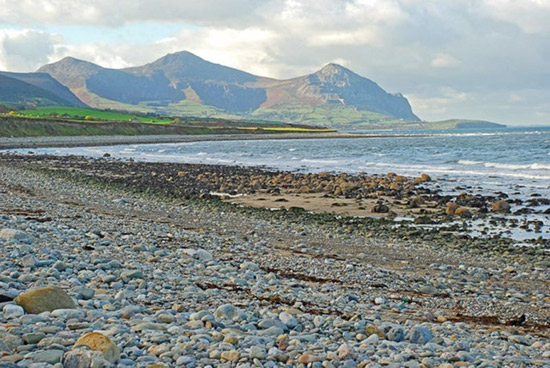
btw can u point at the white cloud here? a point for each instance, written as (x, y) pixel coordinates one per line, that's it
(445, 61)
(24, 50)
(491, 49)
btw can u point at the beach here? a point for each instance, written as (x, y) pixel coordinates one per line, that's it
(177, 268)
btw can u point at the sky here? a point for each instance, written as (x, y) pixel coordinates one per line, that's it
(477, 59)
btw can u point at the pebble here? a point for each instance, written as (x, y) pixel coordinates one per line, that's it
(163, 294)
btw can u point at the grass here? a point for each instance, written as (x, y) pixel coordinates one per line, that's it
(291, 129)
(77, 113)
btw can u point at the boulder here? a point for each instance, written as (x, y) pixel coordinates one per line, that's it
(101, 343)
(450, 208)
(84, 358)
(423, 178)
(45, 299)
(500, 207)
(420, 335)
(13, 234)
(463, 212)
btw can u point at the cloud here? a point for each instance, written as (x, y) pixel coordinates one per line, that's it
(445, 61)
(120, 12)
(23, 50)
(487, 50)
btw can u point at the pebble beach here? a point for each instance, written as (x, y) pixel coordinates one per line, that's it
(99, 269)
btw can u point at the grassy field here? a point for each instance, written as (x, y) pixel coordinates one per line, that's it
(77, 113)
(74, 121)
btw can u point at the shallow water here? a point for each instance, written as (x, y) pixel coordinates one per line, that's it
(515, 161)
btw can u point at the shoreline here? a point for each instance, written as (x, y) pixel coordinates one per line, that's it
(166, 267)
(86, 141)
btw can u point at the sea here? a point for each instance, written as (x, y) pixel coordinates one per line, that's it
(515, 161)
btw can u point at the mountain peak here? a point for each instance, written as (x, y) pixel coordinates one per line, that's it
(333, 68)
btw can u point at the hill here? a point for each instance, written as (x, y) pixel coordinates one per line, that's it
(185, 84)
(47, 83)
(16, 92)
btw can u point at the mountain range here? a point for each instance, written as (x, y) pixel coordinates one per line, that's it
(185, 84)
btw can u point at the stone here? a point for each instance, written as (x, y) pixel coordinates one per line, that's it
(33, 337)
(13, 234)
(345, 351)
(500, 207)
(98, 342)
(131, 275)
(10, 340)
(306, 358)
(84, 358)
(249, 266)
(68, 314)
(48, 356)
(231, 356)
(257, 352)
(463, 212)
(450, 208)
(148, 326)
(12, 311)
(45, 299)
(165, 318)
(420, 335)
(227, 311)
(423, 178)
(288, 319)
(4, 347)
(396, 334)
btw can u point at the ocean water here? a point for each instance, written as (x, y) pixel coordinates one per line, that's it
(511, 158)
(515, 161)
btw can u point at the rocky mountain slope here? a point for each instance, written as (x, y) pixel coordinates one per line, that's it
(183, 83)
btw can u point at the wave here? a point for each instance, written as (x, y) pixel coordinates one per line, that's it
(497, 165)
(318, 161)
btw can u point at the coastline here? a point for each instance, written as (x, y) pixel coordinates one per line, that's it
(150, 261)
(84, 141)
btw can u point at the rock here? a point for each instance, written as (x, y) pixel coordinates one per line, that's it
(344, 351)
(86, 293)
(227, 311)
(500, 207)
(420, 335)
(423, 178)
(84, 358)
(231, 356)
(99, 342)
(165, 318)
(450, 208)
(396, 334)
(13, 234)
(131, 275)
(33, 337)
(45, 299)
(4, 347)
(48, 356)
(306, 358)
(380, 208)
(12, 311)
(249, 266)
(148, 326)
(257, 352)
(288, 319)
(10, 340)
(200, 254)
(463, 212)
(68, 314)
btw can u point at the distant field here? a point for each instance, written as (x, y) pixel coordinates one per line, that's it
(78, 113)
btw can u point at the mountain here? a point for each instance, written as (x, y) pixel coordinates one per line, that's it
(185, 84)
(31, 89)
(46, 82)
